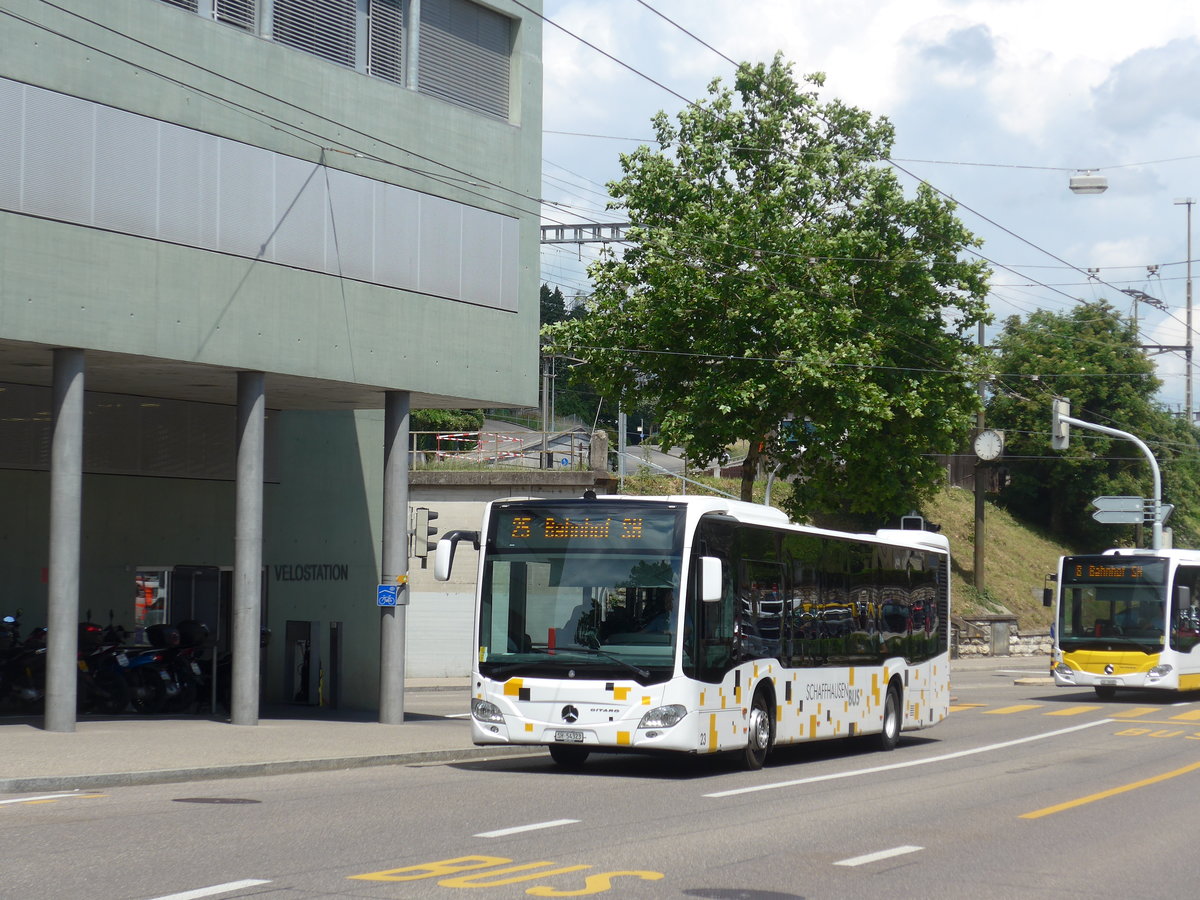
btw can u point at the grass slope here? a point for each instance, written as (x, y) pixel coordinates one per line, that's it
(1016, 560)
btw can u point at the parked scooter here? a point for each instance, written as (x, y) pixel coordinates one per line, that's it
(167, 677)
(25, 672)
(10, 646)
(102, 661)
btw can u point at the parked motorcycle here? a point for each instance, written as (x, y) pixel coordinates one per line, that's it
(102, 662)
(168, 677)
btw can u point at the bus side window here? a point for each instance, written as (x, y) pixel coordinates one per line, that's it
(709, 641)
(1185, 617)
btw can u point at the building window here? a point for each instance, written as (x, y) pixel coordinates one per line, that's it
(239, 13)
(465, 54)
(465, 49)
(324, 28)
(385, 40)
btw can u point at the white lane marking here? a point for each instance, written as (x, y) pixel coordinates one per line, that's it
(912, 762)
(44, 797)
(215, 889)
(504, 832)
(876, 857)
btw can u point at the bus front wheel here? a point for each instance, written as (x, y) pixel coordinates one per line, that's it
(1105, 691)
(890, 736)
(758, 732)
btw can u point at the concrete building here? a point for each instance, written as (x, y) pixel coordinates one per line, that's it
(232, 234)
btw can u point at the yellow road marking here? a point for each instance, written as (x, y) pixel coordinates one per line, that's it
(1022, 707)
(1191, 716)
(1111, 792)
(1074, 710)
(1134, 712)
(959, 707)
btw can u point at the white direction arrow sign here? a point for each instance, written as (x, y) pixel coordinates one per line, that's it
(1119, 510)
(1119, 504)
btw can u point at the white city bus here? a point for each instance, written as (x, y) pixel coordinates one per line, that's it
(699, 625)
(1128, 619)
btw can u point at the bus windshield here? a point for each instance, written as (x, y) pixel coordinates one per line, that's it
(1114, 600)
(596, 593)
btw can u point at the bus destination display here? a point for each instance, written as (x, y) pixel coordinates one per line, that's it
(614, 529)
(1111, 570)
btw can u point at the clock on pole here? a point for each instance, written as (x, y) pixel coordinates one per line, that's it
(989, 444)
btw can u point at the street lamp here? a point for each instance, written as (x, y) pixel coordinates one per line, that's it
(1187, 353)
(1085, 182)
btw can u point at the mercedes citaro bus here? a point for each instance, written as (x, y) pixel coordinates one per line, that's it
(699, 625)
(1128, 619)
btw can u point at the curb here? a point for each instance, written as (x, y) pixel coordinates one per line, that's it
(250, 770)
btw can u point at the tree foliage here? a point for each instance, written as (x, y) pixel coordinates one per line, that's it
(1091, 356)
(779, 272)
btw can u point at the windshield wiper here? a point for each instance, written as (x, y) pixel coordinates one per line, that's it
(644, 673)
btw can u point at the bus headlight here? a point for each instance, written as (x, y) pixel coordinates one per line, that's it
(485, 711)
(1064, 671)
(663, 716)
(1162, 670)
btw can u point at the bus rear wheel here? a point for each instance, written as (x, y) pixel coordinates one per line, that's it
(569, 756)
(758, 732)
(889, 737)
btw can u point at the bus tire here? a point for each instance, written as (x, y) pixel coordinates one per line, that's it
(759, 733)
(569, 756)
(1105, 692)
(889, 737)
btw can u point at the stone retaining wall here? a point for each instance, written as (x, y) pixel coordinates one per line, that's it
(986, 636)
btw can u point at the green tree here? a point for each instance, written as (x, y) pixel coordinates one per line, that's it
(778, 271)
(423, 421)
(554, 305)
(1091, 356)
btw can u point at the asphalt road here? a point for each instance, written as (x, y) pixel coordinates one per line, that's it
(1026, 791)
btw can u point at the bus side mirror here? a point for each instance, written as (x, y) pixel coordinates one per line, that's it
(1048, 591)
(443, 558)
(1183, 596)
(710, 579)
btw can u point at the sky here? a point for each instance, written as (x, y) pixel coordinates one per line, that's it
(996, 103)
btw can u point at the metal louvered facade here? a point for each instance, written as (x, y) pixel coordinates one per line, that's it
(325, 28)
(385, 40)
(465, 52)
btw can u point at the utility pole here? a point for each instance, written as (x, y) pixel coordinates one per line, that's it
(980, 469)
(1187, 353)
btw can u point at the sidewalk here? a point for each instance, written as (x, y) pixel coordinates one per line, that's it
(110, 752)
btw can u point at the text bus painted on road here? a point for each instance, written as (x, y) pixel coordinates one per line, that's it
(699, 625)
(1128, 619)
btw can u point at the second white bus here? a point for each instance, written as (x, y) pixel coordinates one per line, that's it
(1128, 619)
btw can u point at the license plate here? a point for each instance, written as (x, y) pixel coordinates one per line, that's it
(1109, 681)
(569, 737)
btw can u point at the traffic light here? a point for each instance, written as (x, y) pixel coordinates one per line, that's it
(1060, 431)
(423, 532)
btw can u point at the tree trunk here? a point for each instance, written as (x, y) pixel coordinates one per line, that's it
(750, 470)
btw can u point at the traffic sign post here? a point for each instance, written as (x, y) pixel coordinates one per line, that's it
(1130, 511)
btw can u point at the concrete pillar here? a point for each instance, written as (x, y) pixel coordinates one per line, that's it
(395, 557)
(66, 511)
(247, 554)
